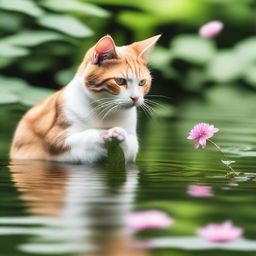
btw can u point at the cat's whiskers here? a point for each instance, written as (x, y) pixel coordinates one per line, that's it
(114, 107)
(158, 96)
(102, 105)
(99, 108)
(102, 99)
(105, 110)
(107, 107)
(152, 102)
(149, 108)
(156, 104)
(146, 110)
(110, 105)
(110, 110)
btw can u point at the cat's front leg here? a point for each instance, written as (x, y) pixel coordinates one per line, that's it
(128, 142)
(87, 146)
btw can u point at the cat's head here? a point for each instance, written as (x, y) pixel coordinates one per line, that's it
(116, 73)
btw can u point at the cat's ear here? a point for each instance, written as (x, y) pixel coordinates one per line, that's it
(144, 47)
(105, 49)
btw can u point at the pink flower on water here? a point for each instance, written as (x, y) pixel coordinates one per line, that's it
(200, 191)
(148, 219)
(201, 132)
(224, 232)
(211, 29)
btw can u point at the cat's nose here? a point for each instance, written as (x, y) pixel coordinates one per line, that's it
(134, 99)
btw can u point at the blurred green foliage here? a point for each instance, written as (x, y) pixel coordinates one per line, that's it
(205, 63)
(39, 40)
(42, 42)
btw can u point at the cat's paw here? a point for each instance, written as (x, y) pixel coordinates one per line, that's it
(114, 133)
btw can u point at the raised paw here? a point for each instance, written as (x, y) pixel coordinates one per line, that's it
(114, 133)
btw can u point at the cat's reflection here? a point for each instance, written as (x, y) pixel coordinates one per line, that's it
(84, 206)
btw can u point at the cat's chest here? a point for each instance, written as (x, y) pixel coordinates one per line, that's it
(126, 120)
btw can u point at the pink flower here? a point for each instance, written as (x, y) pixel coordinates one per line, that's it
(211, 29)
(201, 132)
(220, 232)
(200, 191)
(148, 219)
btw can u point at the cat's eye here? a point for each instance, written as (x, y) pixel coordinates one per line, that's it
(120, 81)
(142, 82)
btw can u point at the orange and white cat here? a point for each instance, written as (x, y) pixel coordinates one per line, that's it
(99, 104)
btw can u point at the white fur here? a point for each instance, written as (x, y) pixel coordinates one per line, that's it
(88, 126)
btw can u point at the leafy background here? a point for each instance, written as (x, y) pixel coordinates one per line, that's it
(42, 42)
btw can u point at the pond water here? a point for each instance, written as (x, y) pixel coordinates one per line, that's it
(63, 209)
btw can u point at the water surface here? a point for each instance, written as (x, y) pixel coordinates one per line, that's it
(63, 209)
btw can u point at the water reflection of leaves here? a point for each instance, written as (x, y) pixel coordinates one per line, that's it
(195, 243)
(243, 151)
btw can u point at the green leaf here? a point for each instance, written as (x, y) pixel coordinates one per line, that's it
(12, 84)
(250, 75)
(9, 22)
(64, 76)
(14, 90)
(7, 96)
(25, 6)
(10, 51)
(137, 20)
(33, 95)
(225, 67)
(246, 50)
(194, 80)
(64, 49)
(36, 64)
(65, 24)
(193, 49)
(6, 61)
(32, 38)
(9, 89)
(75, 6)
(228, 1)
(160, 58)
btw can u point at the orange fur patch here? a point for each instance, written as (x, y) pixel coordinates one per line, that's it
(42, 131)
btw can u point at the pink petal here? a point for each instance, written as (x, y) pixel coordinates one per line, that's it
(202, 142)
(220, 232)
(211, 29)
(215, 130)
(148, 219)
(199, 191)
(197, 144)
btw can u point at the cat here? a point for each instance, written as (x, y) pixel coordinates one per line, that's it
(99, 104)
